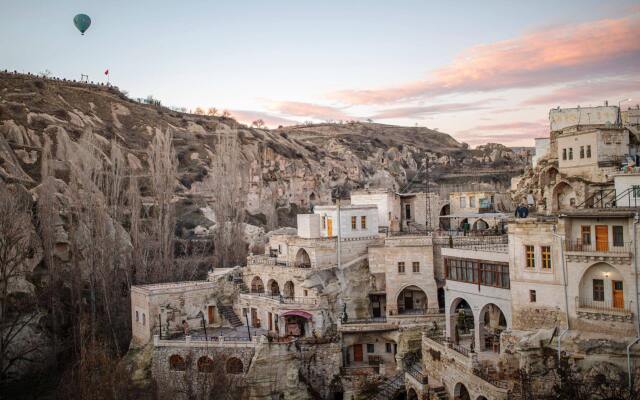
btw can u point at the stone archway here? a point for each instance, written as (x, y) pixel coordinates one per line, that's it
(563, 197)
(492, 322)
(480, 225)
(288, 290)
(461, 322)
(274, 288)
(412, 300)
(257, 286)
(460, 392)
(445, 223)
(302, 259)
(602, 287)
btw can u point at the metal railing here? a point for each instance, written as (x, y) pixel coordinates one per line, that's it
(459, 348)
(480, 373)
(415, 311)
(494, 244)
(601, 247)
(285, 299)
(416, 372)
(373, 320)
(606, 306)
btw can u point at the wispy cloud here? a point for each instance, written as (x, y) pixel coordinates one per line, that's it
(607, 47)
(586, 91)
(419, 111)
(310, 110)
(271, 120)
(505, 133)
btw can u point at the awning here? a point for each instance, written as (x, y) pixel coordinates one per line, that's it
(297, 313)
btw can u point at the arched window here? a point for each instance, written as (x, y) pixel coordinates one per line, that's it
(256, 285)
(205, 364)
(176, 363)
(234, 366)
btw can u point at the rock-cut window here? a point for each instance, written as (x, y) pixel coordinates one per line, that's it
(176, 363)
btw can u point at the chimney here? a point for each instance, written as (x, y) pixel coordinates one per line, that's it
(606, 103)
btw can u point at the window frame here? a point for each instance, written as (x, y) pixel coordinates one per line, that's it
(401, 267)
(371, 348)
(415, 266)
(363, 222)
(533, 296)
(354, 222)
(597, 291)
(545, 257)
(617, 229)
(588, 151)
(530, 257)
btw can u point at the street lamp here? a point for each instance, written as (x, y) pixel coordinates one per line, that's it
(204, 324)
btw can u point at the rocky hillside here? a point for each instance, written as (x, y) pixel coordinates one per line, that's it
(287, 169)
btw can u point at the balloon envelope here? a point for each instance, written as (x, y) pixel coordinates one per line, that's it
(82, 22)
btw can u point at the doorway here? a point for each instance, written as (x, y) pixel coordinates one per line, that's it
(602, 238)
(329, 227)
(375, 307)
(254, 318)
(270, 321)
(211, 314)
(357, 352)
(618, 294)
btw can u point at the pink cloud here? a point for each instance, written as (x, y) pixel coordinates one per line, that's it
(272, 121)
(309, 110)
(590, 90)
(427, 110)
(607, 47)
(505, 133)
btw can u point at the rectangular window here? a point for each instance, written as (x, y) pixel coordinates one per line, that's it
(598, 290)
(570, 153)
(371, 348)
(416, 266)
(463, 202)
(588, 151)
(354, 223)
(529, 252)
(306, 293)
(564, 154)
(532, 296)
(581, 151)
(401, 267)
(387, 347)
(546, 257)
(585, 234)
(363, 222)
(137, 317)
(407, 211)
(618, 235)
(472, 201)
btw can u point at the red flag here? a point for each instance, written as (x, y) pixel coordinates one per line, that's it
(106, 72)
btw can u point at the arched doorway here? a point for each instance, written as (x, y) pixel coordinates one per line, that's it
(480, 225)
(234, 366)
(256, 285)
(564, 197)
(297, 323)
(412, 300)
(445, 223)
(412, 395)
(460, 392)
(302, 259)
(274, 288)
(492, 323)
(602, 287)
(464, 225)
(289, 291)
(461, 322)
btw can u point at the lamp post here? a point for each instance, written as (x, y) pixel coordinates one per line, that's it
(204, 325)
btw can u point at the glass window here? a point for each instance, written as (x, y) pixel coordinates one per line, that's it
(570, 153)
(407, 211)
(546, 257)
(598, 290)
(371, 348)
(636, 191)
(564, 154)
(581, 151)
(354, 223)
(530, 256)
(532, 296)
(387, 347)
(472, 201)
(401, 267)
(588, 151)
(416, 266)
(618, 235)
(585, 234)
(463, 202)
(363, 222)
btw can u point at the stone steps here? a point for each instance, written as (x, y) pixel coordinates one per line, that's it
(230, 315)
(440, 393)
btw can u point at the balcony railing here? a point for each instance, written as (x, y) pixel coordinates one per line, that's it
(606, 306)
(284, 299)
(376, 320)
(459, 348)
(416, 311)
(600, 247)
(416, 372)
(482, 374)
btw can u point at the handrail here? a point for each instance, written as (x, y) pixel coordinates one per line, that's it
(373, 320)
(604, 247)
(606, 306)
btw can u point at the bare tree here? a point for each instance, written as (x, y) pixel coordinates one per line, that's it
(212, 111)
(229, 192)
(259, 123)
(17, 307)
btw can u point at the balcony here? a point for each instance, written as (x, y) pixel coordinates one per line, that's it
(366, 325)
(588, 308)
(617, 252)
(282, 299)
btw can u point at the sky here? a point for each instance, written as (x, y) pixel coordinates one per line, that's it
(482, 71)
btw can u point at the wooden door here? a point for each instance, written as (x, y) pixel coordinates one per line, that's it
(357, 352)
(602, 238)
(212, 314)
(254, 318)
(329, 227)
(618, 294)
(270, 321)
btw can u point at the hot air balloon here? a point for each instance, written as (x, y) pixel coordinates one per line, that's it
(82, 22)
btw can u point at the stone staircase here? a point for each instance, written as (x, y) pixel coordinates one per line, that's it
(390, 388)
(440, 393)
(230, 315)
